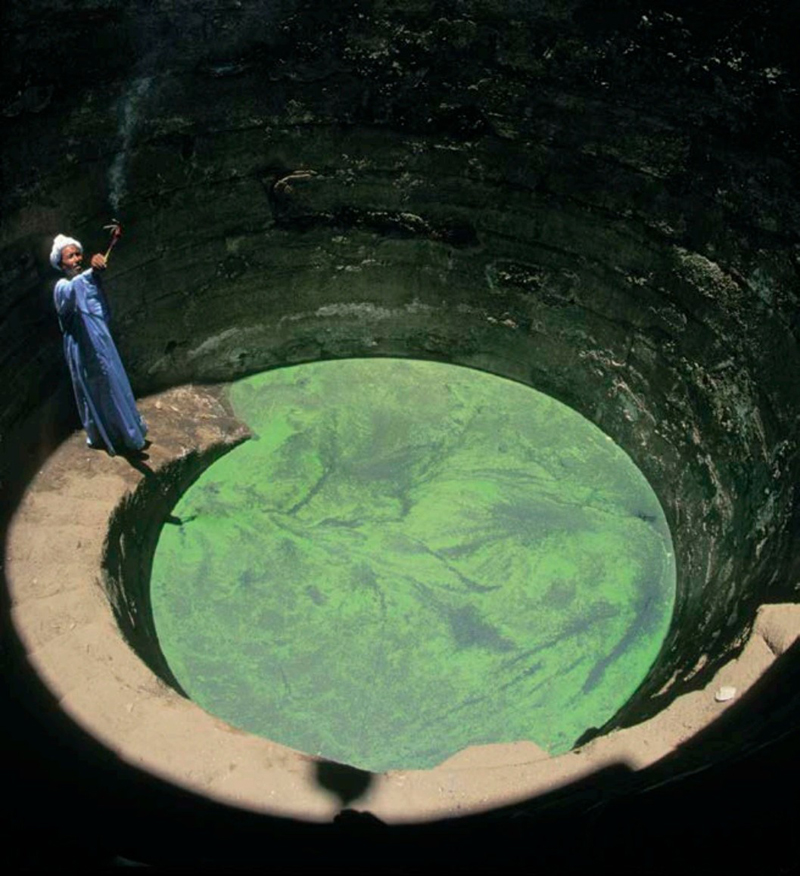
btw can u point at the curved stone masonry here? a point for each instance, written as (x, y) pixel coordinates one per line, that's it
(78, 560)
(598, 202)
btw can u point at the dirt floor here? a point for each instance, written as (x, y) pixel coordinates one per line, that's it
(65, 621)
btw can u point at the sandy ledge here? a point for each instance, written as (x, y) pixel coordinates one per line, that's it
(60, 610)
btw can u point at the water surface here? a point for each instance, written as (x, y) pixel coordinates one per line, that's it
(409, 558)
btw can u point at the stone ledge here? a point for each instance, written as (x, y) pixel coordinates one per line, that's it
(78, 650)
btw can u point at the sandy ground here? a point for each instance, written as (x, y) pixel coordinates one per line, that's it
(65, 621)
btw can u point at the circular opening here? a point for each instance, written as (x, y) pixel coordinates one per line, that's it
(408, 559)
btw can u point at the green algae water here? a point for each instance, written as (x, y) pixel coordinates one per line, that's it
(410, 558)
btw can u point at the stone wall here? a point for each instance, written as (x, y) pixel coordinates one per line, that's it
(596, 199)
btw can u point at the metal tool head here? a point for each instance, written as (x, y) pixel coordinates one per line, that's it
(115, 228)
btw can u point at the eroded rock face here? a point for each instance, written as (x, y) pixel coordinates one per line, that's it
(599, 200)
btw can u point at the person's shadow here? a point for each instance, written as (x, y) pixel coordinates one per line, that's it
(347, 782)
(137, 459)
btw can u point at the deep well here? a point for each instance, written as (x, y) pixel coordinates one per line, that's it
(598, 200)
(408, 559)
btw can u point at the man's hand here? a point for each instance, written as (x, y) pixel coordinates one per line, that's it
(98, 262)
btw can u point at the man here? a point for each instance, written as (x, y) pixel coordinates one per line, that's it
(103, 393)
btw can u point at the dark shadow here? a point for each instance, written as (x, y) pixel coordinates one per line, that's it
(348, 783)
(140, 466)
(138, 459)
(725, 802)
(134, 529)
(768, 710)
(353, 821)
(736, 816)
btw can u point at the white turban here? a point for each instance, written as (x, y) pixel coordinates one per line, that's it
(59, 242)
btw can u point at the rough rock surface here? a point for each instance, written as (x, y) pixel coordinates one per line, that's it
(600, 203)
(596, 198)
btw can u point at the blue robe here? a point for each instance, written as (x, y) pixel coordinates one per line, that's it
(102, 391)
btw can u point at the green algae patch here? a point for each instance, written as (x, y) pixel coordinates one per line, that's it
(410, 558)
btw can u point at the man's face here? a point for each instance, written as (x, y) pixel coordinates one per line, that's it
(71, 260)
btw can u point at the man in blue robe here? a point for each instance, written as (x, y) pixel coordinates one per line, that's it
(103, 393)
